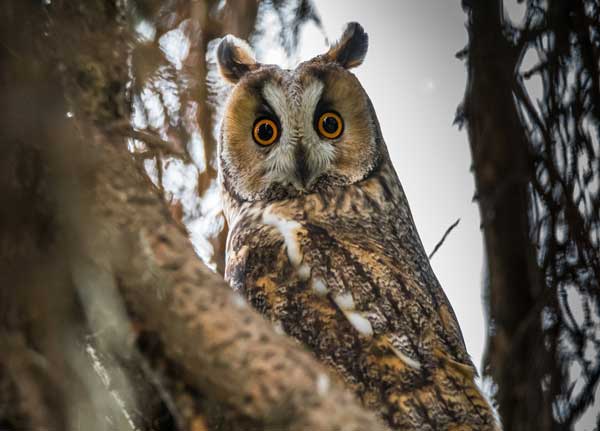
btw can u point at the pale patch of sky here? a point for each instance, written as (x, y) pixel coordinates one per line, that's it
(145, 31)
(589, 419)
(168, 95)
(176, 46)
(150, 168)
(266, 41)
(153, 108)
(138, 116)
(220, 6)
(179, 180)
(201, 215)
(515, 11)
(156, 103)
(196, 150)
(207, 223)
(429, 86)
(534, 87)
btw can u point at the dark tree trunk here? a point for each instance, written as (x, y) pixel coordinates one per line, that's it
(516, 357)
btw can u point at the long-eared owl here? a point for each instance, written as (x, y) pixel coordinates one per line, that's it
(323, 243)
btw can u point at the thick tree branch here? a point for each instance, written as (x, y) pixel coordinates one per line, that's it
(225, 348)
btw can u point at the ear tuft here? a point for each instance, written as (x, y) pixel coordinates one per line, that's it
(351, 49)
(235, 58)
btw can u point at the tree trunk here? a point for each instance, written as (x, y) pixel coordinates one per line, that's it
(516, 357)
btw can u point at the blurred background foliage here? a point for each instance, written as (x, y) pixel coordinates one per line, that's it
(176, 94)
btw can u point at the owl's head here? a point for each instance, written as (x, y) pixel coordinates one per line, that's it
(290, 132)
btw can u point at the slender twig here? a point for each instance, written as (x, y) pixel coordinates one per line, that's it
(152, 141)
(439, 244)
(155, 143)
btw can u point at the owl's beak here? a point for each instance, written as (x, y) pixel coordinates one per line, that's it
(302, 170)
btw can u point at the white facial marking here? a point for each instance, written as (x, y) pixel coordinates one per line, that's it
(295, 107)
(277, 99)
(308, 103)
(320, 152)
(281, 161)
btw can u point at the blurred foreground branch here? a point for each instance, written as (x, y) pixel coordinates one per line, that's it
(109, 318)
(224, 348)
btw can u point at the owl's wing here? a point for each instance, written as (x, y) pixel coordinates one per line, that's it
(414, 347)
(400, 294)
(379, 319)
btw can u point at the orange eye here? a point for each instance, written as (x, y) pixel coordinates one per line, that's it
(265, 132)
(330, 125)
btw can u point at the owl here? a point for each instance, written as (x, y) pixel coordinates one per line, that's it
(322, 240)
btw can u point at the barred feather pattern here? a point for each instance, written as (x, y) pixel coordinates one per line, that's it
(344, 272)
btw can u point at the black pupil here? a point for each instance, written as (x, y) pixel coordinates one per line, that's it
(330, 124)
(265, 132)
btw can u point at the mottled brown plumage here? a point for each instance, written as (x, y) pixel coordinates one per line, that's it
(323, 243)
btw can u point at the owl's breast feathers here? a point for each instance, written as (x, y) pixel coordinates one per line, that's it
(345, 273)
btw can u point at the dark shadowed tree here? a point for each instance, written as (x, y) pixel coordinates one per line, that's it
(532, 111)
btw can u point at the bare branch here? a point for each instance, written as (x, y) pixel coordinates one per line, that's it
(441, 241)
